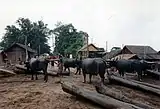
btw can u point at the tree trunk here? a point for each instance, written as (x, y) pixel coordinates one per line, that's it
(21, 67)
(97, 98)
(6, 73)
(108, 92)
(147, 84)
(124, 82)
(153, 72)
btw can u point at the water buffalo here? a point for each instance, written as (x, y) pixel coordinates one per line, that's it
(93, 66)
(79, 66)
(130, 66)
(35, 65)
(73, 63)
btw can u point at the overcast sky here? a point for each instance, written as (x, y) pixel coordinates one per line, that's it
(116, 21)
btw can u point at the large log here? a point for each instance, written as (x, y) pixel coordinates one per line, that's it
(107, 91)
(6, 73)
(131, 84)
(147, 84)
(104, 101)
(21, 67)
(153, 72)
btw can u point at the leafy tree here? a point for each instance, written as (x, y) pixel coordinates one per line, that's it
(67, 39)
(36, 32)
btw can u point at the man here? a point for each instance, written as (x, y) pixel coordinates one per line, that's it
(5, 58)
(60, 65)
(79, 65)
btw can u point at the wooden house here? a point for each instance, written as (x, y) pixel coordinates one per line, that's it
(17, 51)
(93, 51)
(142, 52)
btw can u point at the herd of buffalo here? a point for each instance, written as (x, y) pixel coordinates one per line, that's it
(92, 66)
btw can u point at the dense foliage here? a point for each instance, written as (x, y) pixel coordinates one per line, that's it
(67, 39)
(36, 32)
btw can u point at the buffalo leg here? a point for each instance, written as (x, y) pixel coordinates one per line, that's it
(76, 72)
(102, 77)
(45, 77)
(139, 76)
(32, 78)
(84, 75)
(36, 76)
(90, 77)
(79, 71)
(65, 69)
(68, 69)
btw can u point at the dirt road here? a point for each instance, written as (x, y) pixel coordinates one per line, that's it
(19, 92)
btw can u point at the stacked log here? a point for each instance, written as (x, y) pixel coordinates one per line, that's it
(131, 84)
(6, 73)
(108, 92)
(103, 100)
(21, 67)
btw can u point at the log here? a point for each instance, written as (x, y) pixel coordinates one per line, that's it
(104, 101)
(21, 67)
(6, 73)
(147, 84)
(107, 91)
(131, 84)
(153, 72)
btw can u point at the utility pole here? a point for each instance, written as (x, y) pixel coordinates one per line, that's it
(106, 46)
(26, 48)
(87, 45)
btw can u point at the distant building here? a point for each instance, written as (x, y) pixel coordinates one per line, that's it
(93, 51)
(17, 51)
(142, 52)
(133, 52)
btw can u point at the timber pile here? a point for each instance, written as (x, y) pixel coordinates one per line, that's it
(131, 84)
(103, 100)
(147, 84)
(21, 67)
(108, 92)
(6, 73)
(153, 72)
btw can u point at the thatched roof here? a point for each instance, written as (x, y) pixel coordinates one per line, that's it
(84, 48)
(21, 46)
(112, 54)
(143, 52)
(136, 49)
(125, 56)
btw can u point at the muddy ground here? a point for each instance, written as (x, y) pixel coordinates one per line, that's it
(19, 92)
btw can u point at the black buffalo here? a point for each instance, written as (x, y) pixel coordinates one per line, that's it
(93, 66)
(130, 66)
(73, 63)
(35, 65)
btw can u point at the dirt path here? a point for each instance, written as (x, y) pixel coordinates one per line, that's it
(15, 94)
(19, 92)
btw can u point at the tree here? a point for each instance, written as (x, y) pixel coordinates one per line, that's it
(36, 32)
(67, 39)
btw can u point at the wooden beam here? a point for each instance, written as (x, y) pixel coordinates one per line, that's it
(105, 101)
(111, 93)
(124, 82)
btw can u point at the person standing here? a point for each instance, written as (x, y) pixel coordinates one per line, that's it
(5, 58)
(79, 65)
(60, 65)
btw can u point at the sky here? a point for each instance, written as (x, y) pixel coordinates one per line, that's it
(119, 22)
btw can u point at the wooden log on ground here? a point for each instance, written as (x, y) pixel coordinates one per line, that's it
(105, 101)
(153, 72)
(131, 84)
(21, 67)
(107, 91)
(6, 73)
(147, 84)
